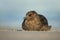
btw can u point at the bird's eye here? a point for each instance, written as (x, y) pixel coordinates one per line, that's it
(30, 14)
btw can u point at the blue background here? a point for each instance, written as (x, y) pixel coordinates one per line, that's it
(12, 12)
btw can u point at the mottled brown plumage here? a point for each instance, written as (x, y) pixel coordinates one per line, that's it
(35, 22)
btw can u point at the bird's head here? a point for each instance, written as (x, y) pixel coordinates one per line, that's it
(31, 15)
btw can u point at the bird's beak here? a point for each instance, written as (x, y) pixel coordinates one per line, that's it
(24, 17)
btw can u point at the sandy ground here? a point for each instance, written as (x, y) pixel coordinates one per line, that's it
(29, 35)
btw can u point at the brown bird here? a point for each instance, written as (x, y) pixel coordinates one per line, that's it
(35, 22)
